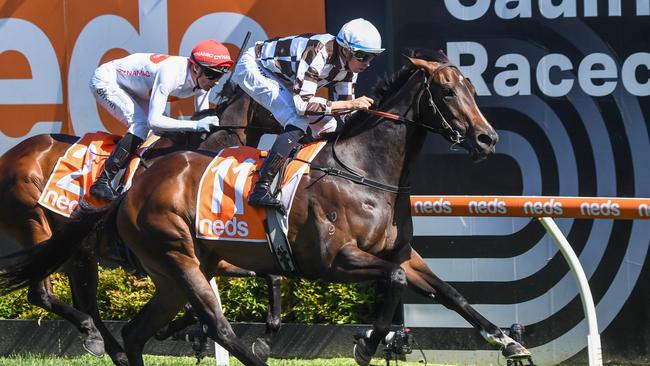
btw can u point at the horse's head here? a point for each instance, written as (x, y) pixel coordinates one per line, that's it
(448, 102)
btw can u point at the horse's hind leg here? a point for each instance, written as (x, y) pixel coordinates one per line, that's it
(34, 228)
(426, 283)
(83, 275)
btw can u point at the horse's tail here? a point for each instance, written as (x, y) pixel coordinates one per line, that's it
(38, 262)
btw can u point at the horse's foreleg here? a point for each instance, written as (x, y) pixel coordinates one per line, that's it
(262, 346)
(351, 264)
(425, 282)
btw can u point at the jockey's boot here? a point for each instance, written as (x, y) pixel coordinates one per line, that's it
(283, 145)
(119, 157)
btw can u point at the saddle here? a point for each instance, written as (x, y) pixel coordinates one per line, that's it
(79, 167)
(222, 210)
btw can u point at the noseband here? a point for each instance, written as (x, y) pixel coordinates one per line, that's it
(446, 130)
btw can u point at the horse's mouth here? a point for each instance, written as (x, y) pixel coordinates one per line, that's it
(477, 154)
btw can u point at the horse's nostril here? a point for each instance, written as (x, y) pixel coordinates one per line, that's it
(485, 139)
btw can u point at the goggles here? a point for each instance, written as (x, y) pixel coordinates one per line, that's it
(214, 73)
(363, 56)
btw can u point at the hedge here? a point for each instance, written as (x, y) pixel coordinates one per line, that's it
(121, 295)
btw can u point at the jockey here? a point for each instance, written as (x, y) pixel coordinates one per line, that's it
(283, 74)
(135, 90)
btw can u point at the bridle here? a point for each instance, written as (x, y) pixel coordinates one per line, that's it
(446, 130)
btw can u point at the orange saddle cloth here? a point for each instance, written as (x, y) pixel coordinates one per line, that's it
(79, 167)
(222, 210)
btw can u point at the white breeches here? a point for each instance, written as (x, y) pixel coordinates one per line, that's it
(265, 89)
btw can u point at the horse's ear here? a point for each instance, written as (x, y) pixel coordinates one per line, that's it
(418, 62)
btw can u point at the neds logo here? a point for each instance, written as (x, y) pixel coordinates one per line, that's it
(231, 228)
(551, 207)
(441, 206)
(603, 209)
(644, 210)
(495, 206)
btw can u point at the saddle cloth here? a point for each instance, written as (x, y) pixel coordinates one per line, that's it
(222, 210)
(79, 167)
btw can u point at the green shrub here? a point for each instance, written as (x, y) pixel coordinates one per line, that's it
(121, 295)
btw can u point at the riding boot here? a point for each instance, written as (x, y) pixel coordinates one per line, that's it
(119, 157)
(284, 144)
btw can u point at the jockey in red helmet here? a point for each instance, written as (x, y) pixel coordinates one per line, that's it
(135, 90)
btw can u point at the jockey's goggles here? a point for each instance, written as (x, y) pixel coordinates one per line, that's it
(214, 73)
(362, 56)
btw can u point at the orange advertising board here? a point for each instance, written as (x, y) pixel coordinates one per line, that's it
(532, 206)
(54, 47)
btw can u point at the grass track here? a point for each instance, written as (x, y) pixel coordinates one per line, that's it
(88, 360)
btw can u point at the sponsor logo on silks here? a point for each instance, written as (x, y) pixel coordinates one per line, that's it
(144, 73)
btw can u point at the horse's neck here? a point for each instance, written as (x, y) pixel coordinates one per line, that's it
(381, 151)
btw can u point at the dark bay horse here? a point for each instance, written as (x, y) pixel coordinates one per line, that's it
(24, 170)
(340, 230)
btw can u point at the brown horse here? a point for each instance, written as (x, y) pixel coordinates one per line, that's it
(345, 225)
(24, 170)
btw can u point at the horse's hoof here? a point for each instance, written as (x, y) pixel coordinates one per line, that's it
(514, 350)
(94, 345)
(261, 349)
(360, 352)
(162, 334)
(120, 359)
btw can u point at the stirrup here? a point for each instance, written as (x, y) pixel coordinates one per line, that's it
(102, 189)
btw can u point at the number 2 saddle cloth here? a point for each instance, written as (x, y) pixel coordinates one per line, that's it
(79, 167)
(222, 210)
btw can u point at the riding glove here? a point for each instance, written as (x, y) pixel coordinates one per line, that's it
(204, 123)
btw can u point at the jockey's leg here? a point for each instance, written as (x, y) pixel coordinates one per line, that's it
(283, 145)
(119, 157)
(130, 112)
(426, 283)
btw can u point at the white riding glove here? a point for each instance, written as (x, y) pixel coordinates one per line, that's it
(204, 123)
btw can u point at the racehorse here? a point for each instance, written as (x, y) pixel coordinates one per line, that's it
(25, 169)
(345, 225)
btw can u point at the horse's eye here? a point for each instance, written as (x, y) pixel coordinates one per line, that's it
(448, 93)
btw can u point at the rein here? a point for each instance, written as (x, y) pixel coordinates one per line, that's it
(446, 130)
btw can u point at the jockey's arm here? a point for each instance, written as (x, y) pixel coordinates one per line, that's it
(343, 96)
(158, 122)
(307, 82)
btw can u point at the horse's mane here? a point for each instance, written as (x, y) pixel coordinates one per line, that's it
(389, 84)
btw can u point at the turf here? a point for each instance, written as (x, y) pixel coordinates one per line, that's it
(87, 360)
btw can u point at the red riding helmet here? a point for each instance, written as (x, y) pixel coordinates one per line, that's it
(212, 55)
